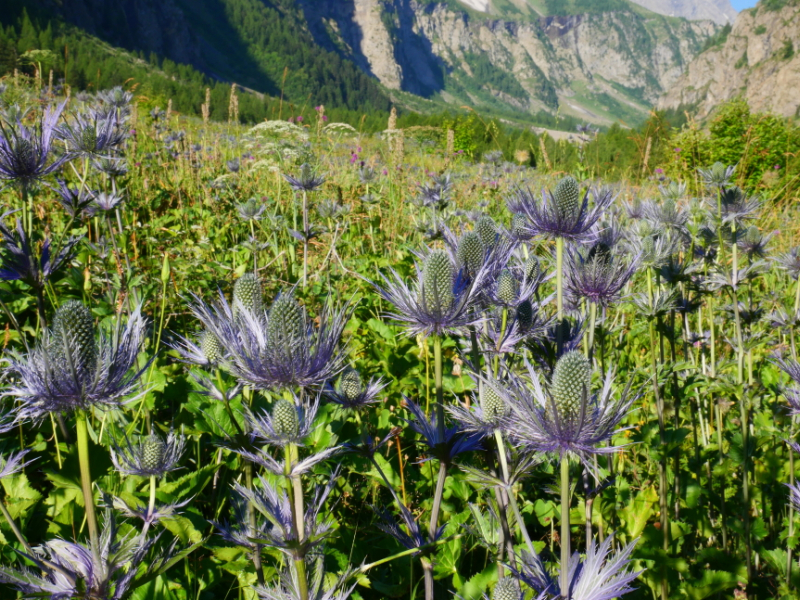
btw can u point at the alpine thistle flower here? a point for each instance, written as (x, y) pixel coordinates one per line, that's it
(277, 349)
(73, 368)
(20, 261)
(487, 232)
(565, 417)
(562, 214)
(247, 295)
(717, 176)
(443, 300)
(306, 180)
(352, 392)
(25, 152)
(597, 275)
(507, 588)
(148, 455)
(92, 134)
(601, 575)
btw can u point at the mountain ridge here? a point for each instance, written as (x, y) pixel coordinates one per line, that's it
(756, 61)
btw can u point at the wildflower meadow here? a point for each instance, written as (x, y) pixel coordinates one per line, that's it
(298, 361)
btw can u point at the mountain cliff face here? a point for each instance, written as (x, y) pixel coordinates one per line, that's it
(759, 60)
(599, 67)
(596, 60)
(719, 11)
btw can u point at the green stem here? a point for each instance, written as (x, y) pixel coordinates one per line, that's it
(592, 320)
(559, 291)
(295, 489)
(565, 529)
(251, 517)
(409, 552)
(86, 481)
(437, 374)
(305, 239)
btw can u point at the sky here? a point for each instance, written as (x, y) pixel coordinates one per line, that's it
(742, 4)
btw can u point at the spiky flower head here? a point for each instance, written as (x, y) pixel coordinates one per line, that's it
(562, 214)
(350, 383)
(284, 419)
(598, 276)
(519, 229)
(72, 368)
(279, 349)
(486, 229)
(247, 294)
(525, 315)
(148, 455)
(21, 259)
(352, 392)
(251, 210)
(96, 132)
(442, 300)
(507, 588)
(306, 180)
(532, 267)
(565, 417)
(286, 325)
(790, 262)
(26, 151)
(470, 253)
(438, 278)
(718, 175)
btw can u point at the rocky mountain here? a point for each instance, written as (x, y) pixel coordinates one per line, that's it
(719, 11)
(758, 60)
(599, 61)
(596, 60)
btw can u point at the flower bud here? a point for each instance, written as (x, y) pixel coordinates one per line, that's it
(75, 346)
(438, 277)
(492, 404)
(507, 288)
(153, 450)
(247, 294)
(487, 231)
(350, 385)
(506, 588)
(470, 253)
(284, 419)
(570, 385)
(286, 323)
(210, 346)
(567, 199)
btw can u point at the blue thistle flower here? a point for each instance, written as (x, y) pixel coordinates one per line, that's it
(72, 368)
(279, 349)
(76, 202)
(565, 417)
(307, 180)
(318, 586)
(25, 152)
(600, 575)
(442, 300)
(20, 261)
(92, 134)
(597, 274)
(351, 391)
(562, 213)
(443, 443)
(717, 176)
(148, 455)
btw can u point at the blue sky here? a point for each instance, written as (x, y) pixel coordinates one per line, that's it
(742, 4)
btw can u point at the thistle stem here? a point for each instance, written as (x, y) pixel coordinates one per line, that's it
(565, 533)
(86, 481)
(298, 520)
(437, 374)
(559, 292)
(305, 240)
(498, 436)
(251, 517)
